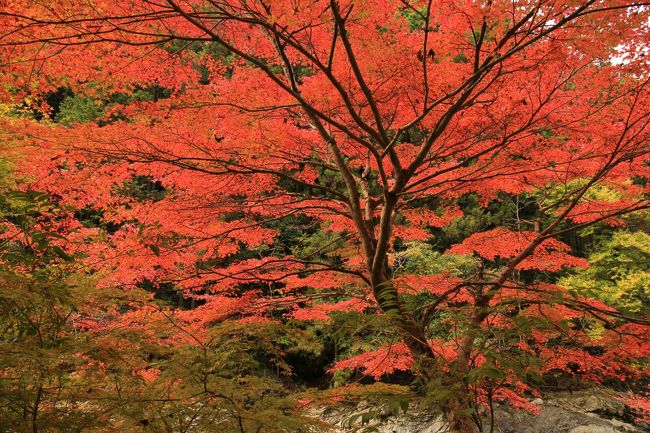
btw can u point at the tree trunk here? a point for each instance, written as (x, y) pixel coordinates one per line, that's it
(457, 409)
(456, 415)
(412, 332)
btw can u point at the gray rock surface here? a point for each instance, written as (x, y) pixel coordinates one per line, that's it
(594, 429)
(411, 422)
(557, 420)
(596, 410)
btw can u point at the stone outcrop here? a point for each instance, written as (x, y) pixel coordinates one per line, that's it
(595, 410)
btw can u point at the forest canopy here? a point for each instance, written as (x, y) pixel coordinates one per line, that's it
(221, 215)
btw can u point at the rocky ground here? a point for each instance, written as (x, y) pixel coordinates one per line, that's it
(595, 410)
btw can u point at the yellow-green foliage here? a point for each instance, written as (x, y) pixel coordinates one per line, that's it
(419, 258)
(619, 272)
(80, 109)
(596, 192)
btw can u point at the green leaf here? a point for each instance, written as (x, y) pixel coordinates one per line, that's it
(155, 249)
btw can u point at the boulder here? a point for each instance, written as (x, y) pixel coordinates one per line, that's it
(595, 410)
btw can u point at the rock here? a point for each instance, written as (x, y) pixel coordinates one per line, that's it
(402, 424)
(601, 401)
(587, 411)
(622, 425)
(583, 411)
(550, 420)
(594, 429)
(412, 421)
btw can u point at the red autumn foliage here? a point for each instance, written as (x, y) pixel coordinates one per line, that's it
(328, 115)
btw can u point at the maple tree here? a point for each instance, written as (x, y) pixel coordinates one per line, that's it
(68, 365)
(201, 133)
